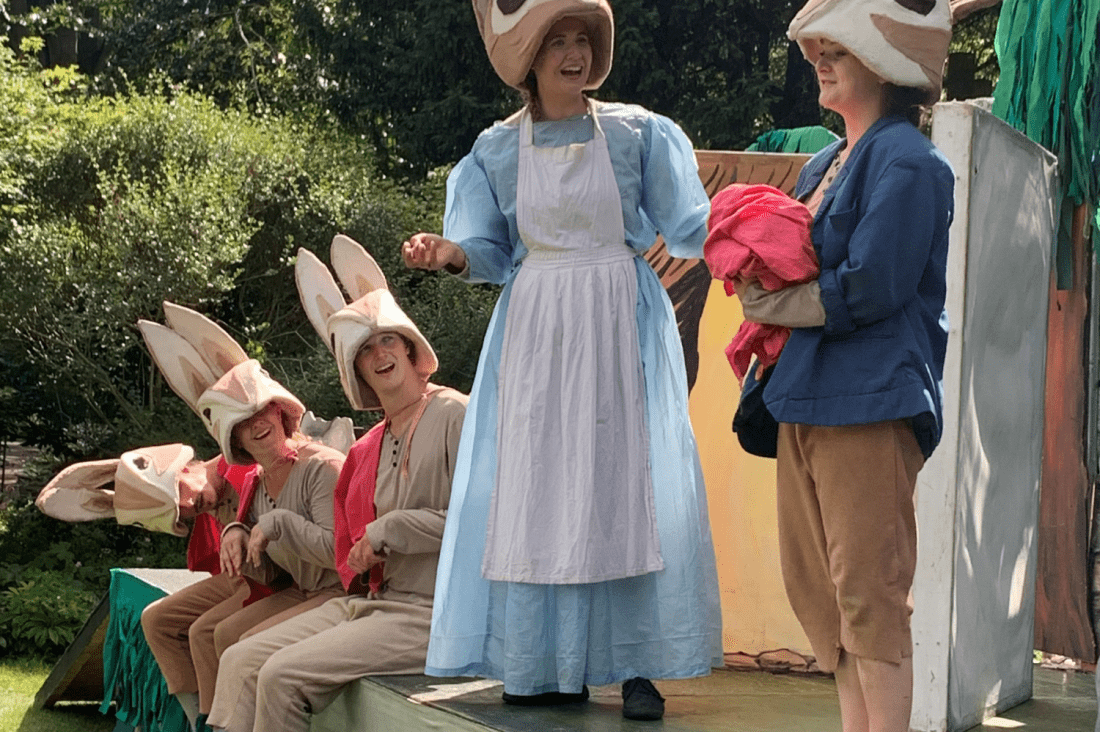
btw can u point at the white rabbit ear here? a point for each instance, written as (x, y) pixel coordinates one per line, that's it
(318, 291)
(180, 362)
(77, 493)
(216, 347)
(357, 270)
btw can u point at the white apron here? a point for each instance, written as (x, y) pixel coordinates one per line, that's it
(573, 500)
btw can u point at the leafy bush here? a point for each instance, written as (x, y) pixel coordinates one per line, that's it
(108, 206)
(52, 573)
(42, 613)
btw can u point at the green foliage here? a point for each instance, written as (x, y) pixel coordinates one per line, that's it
(114, 205)
(718, 68)
(414, 79)
(52, 573)
(42, 613)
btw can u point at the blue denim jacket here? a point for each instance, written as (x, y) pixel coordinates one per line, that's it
(881, 239)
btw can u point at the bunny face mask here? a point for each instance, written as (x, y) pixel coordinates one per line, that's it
(513, 31)
(211, 372)
(146, 489)
(345, 327)
(904, 42)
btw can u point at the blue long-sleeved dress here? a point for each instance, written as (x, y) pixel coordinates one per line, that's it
(556, 637)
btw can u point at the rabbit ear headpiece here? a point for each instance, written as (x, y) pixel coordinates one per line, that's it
(212, 373)
(345, 327)
(146, 489)
(903, 41)
(513, 31)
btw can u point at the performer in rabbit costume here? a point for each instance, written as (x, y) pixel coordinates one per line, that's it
(391, 506)
(578, 549)
(283, 532)
(157, 488)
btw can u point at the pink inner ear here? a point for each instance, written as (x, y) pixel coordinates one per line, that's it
(196, 380)
(101, 502)
(324, 308)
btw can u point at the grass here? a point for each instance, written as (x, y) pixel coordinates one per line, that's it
(20, 680)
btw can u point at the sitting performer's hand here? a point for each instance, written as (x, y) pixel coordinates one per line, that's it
(234, 549)
(362, 556)
(257, 543)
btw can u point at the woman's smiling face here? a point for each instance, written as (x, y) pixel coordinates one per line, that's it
(564, 60)
(845, 83)
(262, 431)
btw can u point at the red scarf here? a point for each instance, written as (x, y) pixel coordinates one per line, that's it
(353, 499)
(204, 546)
(353, 502)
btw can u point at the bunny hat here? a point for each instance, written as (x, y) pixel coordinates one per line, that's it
(212, 373)
(513, 31)
(146, 489)
(345, 327)
(903, 41)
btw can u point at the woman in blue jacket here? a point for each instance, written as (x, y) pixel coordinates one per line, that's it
(858, 388)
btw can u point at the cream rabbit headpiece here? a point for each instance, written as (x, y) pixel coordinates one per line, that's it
(345, 327)
(211, 372)
(903, 41)
(513, 31)
(146, 489)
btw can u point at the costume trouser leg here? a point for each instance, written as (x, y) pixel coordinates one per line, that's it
(167, 621)
(278, 678)
(225, 624)
(847, 535)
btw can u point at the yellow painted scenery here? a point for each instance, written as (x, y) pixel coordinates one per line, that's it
(756, 616)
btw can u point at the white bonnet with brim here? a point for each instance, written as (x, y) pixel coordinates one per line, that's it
(904, 42)
(211, 372)
(513, 31)
(345, 327)
(146, 489)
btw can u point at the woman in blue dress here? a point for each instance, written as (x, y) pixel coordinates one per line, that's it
(577, 549)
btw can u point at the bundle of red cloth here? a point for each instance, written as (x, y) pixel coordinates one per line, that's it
(758, 232)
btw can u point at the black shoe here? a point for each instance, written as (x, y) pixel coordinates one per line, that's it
(549, 699)
(641, 700)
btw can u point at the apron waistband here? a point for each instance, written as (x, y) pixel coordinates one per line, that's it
(545, 258)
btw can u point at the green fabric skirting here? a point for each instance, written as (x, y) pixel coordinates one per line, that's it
(132, 681)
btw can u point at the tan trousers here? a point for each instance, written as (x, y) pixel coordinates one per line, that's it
(848, 535)
(190, 629)
(276, 679)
